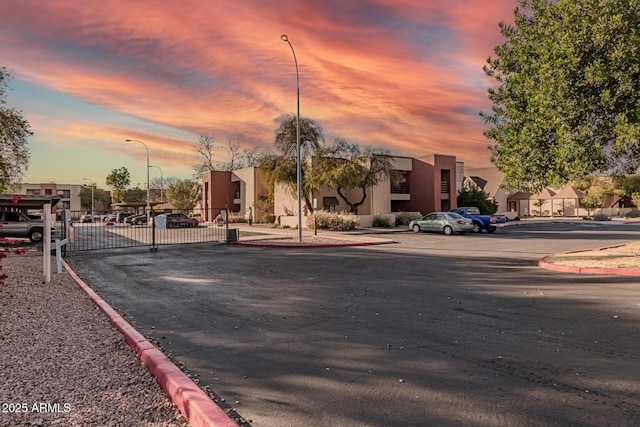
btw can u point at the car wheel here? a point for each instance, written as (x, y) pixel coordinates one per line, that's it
(36, 235)
(416, 228)
(491, 229)
(476, 227)
(447, 230)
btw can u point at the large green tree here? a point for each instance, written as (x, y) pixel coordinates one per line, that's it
(101, 199)
(281, 167)
(566, 102)
(119, 180)
(184, 194)
(471, 195)
(14, 131)
(346, 166)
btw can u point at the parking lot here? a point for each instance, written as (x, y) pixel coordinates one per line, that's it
(430, 330)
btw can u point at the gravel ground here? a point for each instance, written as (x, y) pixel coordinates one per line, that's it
(62, 362)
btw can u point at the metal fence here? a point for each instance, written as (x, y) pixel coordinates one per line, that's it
(106, 233)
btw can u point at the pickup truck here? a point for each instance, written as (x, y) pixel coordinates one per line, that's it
(480, 222)
(17, 224)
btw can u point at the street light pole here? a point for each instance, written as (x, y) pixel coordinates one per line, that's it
(146, 148)
(298, 166)
(161, 183)
(92, 198)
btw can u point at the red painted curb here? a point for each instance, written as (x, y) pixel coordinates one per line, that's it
(194, 403)
(294, 245)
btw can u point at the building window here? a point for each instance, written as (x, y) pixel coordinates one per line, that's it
(64, 193)
(329, 203)
(445, 181)
(402, 186)
(33, 192)
(48, 192)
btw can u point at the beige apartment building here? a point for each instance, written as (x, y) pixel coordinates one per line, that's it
(69, 193)
(428, 184)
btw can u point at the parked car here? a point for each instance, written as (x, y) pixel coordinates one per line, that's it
(178, 220)
(480, 222)
(110, 219)
(121, 216)
(17, 224)
(136, 219)
(86, 218)
(442, 222)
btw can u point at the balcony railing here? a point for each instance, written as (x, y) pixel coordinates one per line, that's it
(402, 188)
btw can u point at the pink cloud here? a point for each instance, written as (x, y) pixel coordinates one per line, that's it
(401, 74)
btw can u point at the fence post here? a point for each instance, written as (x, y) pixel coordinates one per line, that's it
(154, 247)
(226, 224)
(46, 243)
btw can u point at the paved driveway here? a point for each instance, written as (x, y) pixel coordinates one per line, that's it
(433, 330)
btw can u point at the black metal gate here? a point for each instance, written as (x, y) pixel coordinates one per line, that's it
(125, 231)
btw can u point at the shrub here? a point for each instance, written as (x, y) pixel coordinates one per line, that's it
(333, 221)
(404, 218)
(236, 219)
(634, 213)
(269, 219)
(381, 221)
(601, 217)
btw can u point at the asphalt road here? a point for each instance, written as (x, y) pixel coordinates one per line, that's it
(430, 331)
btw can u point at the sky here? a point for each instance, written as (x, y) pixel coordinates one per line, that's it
(404, 75)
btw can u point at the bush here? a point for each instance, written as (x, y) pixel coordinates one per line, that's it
(634, 213)
(404, 218)
(269, 219)
(381, 221)
(236, 219)
(601, 217)
(333, 221)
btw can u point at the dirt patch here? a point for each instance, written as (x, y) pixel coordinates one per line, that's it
(625, 257)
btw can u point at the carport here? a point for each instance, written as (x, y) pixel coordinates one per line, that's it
(26, 202)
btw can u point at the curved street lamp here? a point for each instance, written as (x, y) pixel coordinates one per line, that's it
(298, 167)
(146, 148)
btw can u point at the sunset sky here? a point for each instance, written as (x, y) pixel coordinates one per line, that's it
(405, 75)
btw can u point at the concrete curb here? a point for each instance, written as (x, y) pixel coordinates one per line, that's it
(194, 403)
(586, 270)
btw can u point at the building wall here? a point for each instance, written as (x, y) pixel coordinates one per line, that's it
(253, 186)
(218, 189)
(425, 184)
(380, 199)
(70, 194)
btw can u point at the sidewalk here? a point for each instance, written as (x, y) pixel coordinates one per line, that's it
(269, 236)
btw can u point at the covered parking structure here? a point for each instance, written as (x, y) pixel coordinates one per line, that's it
(26, 203)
